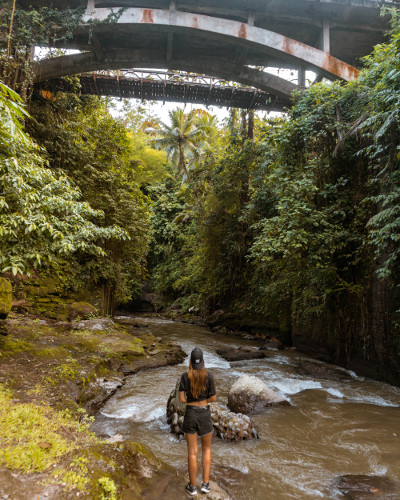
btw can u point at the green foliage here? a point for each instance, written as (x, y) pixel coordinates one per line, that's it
(200, 236)
(312, 242)
(41, 217)
(108, 490)
(39, 26)
(381, 79)
(34, 438)
(184, 136)
(301, 217)
(112, 167)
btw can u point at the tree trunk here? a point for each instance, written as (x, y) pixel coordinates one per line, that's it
(182, 162)
(107, 300)
(250, 125)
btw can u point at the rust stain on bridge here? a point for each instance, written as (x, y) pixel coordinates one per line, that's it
(147, 16)
(338, 67)
(326, 62)
(242, 31)
(195, 23)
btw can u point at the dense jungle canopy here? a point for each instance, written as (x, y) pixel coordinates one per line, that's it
(294, 220)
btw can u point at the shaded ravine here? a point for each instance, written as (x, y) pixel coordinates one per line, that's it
(345, 426)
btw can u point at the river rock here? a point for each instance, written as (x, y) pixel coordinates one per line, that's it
(274, 342)
(216, 493)
(233, 354)
(98, 391)
(321, 371)
(362, 487)
(175, 411)
(131, 321)
(5, 297)
(100, 324)
(249, 394)
(227, 425)
(231, 426)
(82, 310)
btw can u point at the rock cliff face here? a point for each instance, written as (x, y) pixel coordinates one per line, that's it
(356, 334)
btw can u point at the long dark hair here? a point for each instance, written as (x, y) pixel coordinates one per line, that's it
(197, 380)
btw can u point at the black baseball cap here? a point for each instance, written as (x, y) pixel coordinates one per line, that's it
(196, 359)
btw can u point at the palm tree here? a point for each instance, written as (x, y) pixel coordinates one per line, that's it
(185, 134)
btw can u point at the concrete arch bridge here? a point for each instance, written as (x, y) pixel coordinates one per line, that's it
(231, 39)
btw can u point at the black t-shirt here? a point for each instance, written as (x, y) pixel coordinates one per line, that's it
(206, 393)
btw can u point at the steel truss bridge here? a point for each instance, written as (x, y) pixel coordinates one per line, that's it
(166, 86)
(225, 39)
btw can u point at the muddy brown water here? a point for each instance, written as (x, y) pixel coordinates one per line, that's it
(350, 426)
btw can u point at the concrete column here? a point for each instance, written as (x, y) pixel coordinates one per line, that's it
(326, 36)
(172, 12)
(250, 18)
(301, 78)
(90, 7)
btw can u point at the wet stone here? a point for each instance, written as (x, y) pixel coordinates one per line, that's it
(363, 487)
(249, 394)
(317, 370)
(242, 353)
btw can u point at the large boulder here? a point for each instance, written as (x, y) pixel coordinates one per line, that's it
(227, 425)
(5, 297)
(242, 353)
(249, 394)
(82, 310)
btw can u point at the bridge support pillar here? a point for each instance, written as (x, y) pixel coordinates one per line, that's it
(301, 77)
(326, 36)
(251, 18)
(90, 6)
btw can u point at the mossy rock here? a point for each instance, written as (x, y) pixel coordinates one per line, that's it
(81, 310)
(5, 297)
(51, 309)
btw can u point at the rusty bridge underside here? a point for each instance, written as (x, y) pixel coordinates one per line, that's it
(166, 87)
(231, 39)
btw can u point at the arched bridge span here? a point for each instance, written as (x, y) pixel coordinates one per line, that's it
(229, 39)
(165, 86)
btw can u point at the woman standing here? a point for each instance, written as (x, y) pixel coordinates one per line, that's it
(197, 389)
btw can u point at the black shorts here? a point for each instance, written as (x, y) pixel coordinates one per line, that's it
(197, 420)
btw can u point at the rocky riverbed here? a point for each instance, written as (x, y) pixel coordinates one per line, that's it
(53, 377)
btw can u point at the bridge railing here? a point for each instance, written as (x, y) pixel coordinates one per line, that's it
(166, 76)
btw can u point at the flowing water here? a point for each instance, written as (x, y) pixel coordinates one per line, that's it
(351, 426)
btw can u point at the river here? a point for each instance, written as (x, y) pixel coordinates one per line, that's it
(350, 426)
